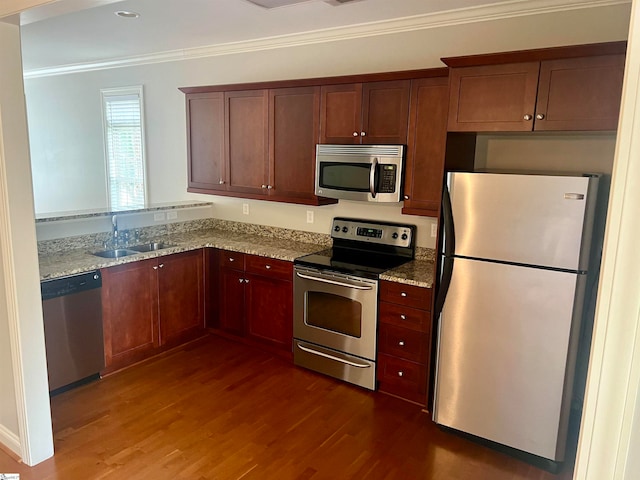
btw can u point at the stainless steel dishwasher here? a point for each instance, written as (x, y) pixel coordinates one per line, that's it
(72, 311)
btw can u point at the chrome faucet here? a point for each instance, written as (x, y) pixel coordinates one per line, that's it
(114, 231)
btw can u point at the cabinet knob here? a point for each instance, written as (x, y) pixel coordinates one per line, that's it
(155, 267)
(363, 134)
(268, 267)
(403, 294)
(221, 182)
(231, 259)
(264, 186)
(269, 187)
(401, 373)
(246, 280)
(161, 265)
(528, 117)
(355, 134)
(403, 316)
(401, 343)
(406, 197)
(540, 116)
(240, 280)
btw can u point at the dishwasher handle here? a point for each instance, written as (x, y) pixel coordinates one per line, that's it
(69, 285)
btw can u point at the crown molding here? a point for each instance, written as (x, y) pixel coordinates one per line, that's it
(500, 11)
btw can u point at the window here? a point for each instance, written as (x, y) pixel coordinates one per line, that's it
(124, 147)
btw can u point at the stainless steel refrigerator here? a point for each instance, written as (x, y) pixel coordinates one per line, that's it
(514, 263)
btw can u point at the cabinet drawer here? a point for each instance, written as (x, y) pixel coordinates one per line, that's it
(402, 377)
(233, 260)
(403, 343)
(270, 267)
(404, 294)
(402, 316)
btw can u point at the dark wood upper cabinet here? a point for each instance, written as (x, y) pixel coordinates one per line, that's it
(493, 97)
(558, 89)
(367, 113)
(246, 141)
(294, 123)
(425, 160)
(205, 141)
(580, 93)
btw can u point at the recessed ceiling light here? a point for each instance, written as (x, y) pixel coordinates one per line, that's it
(125, 14)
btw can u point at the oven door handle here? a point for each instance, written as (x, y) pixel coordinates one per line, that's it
(331, 357)
(334, 282)
(372, 177)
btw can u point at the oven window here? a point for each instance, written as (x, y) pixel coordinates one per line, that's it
(353, 177)
(334, 313)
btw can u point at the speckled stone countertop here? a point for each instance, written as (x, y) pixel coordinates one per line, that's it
(60, 263)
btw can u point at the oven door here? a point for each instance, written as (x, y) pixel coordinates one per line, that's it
(336, 311)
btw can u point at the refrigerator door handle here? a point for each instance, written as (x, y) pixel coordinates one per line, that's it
(445, 282)
(448, 239)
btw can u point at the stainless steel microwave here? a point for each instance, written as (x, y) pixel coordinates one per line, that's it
(369, 173)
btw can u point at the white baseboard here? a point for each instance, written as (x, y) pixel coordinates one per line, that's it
(10, 441)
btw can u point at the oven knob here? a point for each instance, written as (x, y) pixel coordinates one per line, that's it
(404, 236)
(345, 229)
(394, 235)
(336, 228)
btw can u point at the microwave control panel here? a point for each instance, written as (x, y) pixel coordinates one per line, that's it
(387, 178)
(397, 235)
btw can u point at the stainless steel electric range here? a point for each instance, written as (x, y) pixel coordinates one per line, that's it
(336, 297)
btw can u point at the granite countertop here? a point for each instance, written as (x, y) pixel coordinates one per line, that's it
(71, 262)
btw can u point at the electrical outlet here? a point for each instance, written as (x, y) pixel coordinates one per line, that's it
(158, 216)
(172, 215)
(309, 216)
(434, 230)
(245, 209)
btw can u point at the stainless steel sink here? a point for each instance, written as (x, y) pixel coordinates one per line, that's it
(114, 253)
(150, 247)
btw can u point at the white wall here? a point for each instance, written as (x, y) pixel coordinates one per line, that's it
(74, 142)
(20, 304)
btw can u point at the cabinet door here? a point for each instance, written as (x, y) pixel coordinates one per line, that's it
(269, 310)
(181, 297)
(232, 301)
(426, 146)
(493, 97)
(293, 134)
(580, 93)
(205, 141)
(385, 112)
(246, 137)
(129, 312)
(341, 113)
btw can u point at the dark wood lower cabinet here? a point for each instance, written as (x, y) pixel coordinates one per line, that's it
(256, 299)
(151, 305)
(404, 341)
(129, 313)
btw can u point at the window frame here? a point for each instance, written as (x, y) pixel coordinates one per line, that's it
(105, 94)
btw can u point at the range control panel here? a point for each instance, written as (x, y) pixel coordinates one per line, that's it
(397, 235)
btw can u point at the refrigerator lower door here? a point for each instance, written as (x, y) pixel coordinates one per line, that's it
(506, 353)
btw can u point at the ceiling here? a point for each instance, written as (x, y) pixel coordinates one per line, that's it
(81, 32)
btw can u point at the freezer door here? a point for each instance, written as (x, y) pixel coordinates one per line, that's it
(503, 350)
(529, 219)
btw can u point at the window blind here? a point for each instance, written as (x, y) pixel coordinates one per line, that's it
(124, 149)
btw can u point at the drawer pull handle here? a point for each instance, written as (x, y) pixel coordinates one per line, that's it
(403, 317)
(403, 294)
(268, 267)
(401, 343)
(401, 373)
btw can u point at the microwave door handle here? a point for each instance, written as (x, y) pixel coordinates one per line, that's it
(372, 177)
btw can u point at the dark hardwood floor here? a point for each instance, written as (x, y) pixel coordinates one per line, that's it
(218, 410)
